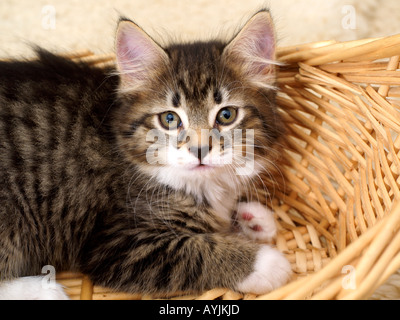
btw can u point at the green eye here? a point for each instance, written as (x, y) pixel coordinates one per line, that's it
(170, 120)
(226, 116)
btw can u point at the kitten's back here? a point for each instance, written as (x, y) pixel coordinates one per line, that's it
(54, 144)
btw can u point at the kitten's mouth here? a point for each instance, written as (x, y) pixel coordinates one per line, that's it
(201, 167)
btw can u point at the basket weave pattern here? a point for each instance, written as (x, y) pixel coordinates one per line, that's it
(338, 209)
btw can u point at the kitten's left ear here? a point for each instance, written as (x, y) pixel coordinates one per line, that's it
(252, 50)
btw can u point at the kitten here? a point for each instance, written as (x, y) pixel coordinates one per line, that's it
(135, 176)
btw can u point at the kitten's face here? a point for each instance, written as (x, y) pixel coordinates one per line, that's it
(198, 111)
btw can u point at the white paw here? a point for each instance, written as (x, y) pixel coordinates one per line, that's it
(256, 221)
(31, 288)
(271, 270)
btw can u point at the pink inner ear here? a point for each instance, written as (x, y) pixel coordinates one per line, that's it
(261, 34)
(254, 46)
(263, 46)
(136, 52)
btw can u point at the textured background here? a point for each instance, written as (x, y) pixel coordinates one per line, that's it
(65, 25)
(91, 23)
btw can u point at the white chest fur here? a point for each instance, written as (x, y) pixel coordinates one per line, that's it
(220, 191)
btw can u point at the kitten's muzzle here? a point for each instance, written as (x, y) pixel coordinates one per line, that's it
(200, 153)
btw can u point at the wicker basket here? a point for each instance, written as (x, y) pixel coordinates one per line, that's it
(339, 215)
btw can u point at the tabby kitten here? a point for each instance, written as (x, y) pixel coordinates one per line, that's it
(108, 172)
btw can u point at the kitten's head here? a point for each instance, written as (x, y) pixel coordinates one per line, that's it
(198, 111)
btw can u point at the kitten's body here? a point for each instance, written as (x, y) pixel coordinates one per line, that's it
(57, 161)
(77, 193)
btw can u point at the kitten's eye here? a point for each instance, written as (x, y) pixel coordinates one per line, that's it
(170, 120)
(226, 116)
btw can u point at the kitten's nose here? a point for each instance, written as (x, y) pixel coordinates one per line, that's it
(200, 153)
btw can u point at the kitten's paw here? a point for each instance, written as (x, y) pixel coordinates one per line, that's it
(31, 288)
(271, 270)
(256, 221)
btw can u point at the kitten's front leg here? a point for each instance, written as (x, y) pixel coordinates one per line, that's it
(180, 260)
(256, 221)
(271, 270)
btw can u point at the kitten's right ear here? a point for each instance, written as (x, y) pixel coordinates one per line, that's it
(138, 55)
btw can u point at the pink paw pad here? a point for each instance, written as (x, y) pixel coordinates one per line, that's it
(246, 216)
(256, 228)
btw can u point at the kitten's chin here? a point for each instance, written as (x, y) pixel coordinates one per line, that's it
(202, 168)
(180, 177)
(197, 172)
(184, 177)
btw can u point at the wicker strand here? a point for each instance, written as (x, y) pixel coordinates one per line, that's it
(87, 289)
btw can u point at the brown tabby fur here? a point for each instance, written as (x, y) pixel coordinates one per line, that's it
(73, 186)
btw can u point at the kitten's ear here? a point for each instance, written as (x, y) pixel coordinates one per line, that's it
(138, 55)
(253, 48)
